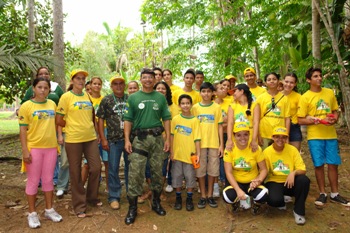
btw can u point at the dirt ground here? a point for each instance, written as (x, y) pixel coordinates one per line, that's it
(332, 217)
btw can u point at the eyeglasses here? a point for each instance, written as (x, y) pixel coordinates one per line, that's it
(273, 104)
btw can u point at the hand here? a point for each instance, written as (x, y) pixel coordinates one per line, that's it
(290, 180)
(60, 139)
(104, 143)
(27, 158)
(171, 156)
(241, 195)
(128, 147)
(197, 160)
(254, 146)
(166, 147)
(254, 183)
(221, 151)
(229, 145)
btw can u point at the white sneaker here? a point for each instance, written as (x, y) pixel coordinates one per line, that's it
(299, 219)
(216, 192)
(59, 193)
(33, 220)
(53, 215)
(288, 199)
(169, 188)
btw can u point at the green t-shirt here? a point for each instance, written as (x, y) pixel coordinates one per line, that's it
(146, 110)
(54, 95)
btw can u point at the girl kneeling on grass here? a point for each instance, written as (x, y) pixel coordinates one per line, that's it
(39, 149)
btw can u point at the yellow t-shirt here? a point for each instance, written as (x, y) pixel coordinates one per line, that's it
(186, 132)
(173, 88)
(244, 163)
(280, 165)
(96, 103)
(229, 99)
(40, 119)
(196, 98)
(275, 117)
(256, 92)
(293, 98)
(174, 110)
(318, 104)
(78, 112)
(210, 117)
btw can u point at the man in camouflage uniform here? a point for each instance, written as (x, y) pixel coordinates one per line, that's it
(144, 113)
(111, 110)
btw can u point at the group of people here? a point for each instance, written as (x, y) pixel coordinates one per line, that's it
(244, 135)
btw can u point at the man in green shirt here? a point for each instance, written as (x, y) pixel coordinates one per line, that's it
(145, 115)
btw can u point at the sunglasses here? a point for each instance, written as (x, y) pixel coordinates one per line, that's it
(273, 104)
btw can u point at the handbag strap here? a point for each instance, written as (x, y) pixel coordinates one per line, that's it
(275, 105)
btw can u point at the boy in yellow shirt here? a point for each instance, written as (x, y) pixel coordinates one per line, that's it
(212, 146)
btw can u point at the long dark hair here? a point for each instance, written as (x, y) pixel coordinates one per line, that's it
(249, 96)
(168, 94)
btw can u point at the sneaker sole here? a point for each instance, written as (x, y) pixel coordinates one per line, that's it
(201, 206)
(319, 203)
(213, 206)
(346, 205)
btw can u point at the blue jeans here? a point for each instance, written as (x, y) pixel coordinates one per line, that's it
(114, 186)
(63, 175)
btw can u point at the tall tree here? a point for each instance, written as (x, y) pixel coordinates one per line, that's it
(316, 34)
(58, 43)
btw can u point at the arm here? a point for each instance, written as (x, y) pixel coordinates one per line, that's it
(230, 122)
(127, 132)
(23, 137)
(198, 150)
(290, 178)
(221, 140)
(60, 121)
(256, 121)
(59, 135)
(172, 147)
(167, 134)
(233, 182)
(308, 120)
(287, 123)
(100, 126)
(261, 177)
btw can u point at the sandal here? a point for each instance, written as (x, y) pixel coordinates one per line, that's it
(81, 215)
(99, 204)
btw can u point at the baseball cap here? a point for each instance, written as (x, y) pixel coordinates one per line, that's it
(240, 126)
(279, 130)
(230, 76)
(249, 69)
(117, 77)
(76, 71)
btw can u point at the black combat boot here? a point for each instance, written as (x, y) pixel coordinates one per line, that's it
(132, 213)
(156, 204)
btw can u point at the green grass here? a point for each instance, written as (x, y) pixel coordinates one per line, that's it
(9, 127)
(4, 115)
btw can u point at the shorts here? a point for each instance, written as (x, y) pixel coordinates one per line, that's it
(209, 163)
(179, 170)
(295, 133)
(103, 153)
(325, 151)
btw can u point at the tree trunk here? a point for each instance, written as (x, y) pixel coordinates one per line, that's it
(58, 44)
(316, 35)
(343, 79)
(31, 27)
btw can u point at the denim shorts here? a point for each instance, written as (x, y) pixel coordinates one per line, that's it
(324, 151)
(295, 133)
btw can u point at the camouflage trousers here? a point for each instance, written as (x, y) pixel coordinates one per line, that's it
(150, 148)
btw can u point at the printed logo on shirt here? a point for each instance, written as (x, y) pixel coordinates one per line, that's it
(280, 167)
(82, 105)
(240, 117)
(206, 118)
(276, 110)
(240, 163)
(43, 114)
(155, 106)
(223, 113)
(322, 105)
(141, 105)
(183, 130)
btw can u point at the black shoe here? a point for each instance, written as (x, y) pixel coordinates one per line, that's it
(189, 204)
(156, 207)
(212, 203)
(341, 200)
(202, 203)
(256, 209)
(321, 200)
(235, 207)
(178, 203)
(132, 213)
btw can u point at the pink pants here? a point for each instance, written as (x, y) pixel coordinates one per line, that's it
(42, 167)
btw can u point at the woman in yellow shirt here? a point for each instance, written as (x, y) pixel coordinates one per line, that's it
(77, 109)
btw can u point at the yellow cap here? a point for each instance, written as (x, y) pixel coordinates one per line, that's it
(74, 72)
(240, 126)
(117, 77)
(249, 69)
(279, 130)
(230, 76)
